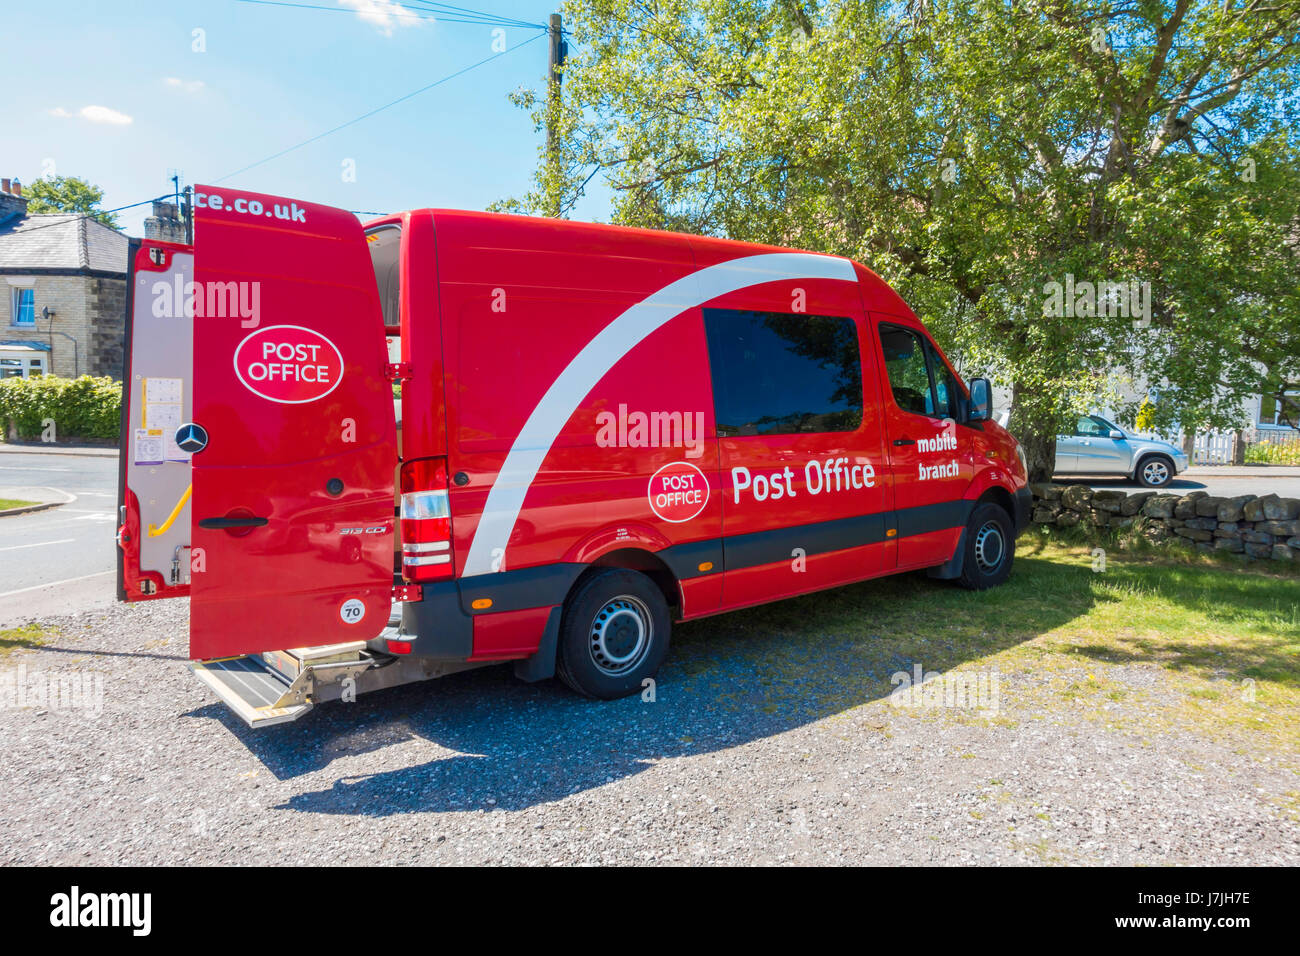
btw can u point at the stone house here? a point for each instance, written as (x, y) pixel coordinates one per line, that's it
(62, 292)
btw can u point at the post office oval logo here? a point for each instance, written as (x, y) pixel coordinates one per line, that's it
(290, 364)
(678, 492)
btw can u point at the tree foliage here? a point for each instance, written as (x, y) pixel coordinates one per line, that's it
(973, 153)
(69, 194)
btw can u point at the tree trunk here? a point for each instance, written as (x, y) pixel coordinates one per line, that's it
(1036, 434)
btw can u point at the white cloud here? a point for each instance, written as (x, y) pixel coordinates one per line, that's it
(188, 86)
(103, 114)
(95, 114)
(384, 14)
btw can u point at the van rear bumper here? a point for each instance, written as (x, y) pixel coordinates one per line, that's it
(1024, 508)
(440, 626)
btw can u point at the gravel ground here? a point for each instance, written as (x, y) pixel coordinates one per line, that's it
(728, 765)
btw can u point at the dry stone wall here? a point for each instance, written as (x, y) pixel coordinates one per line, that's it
(1257, 527)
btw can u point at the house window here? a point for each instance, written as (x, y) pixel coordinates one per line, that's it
(24, 307)
(21, 366)
(1271, 412)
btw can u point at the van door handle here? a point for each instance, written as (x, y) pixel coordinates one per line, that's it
(904, 441)
(220, 523)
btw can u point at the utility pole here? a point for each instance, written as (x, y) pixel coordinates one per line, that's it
(556, 62)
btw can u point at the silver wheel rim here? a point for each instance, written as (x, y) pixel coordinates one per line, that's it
(620, 635)
(990, 547)
(1155, 472)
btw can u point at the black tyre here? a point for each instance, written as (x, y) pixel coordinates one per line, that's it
(990, 548)
(1155, 471)
(614, 634)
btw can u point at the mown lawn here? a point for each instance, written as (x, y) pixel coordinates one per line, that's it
(1157, 642)
(7, 503)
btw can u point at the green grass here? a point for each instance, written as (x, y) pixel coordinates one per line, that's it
(1159, 642)
(27, 636)
(1131, 542)
(7, 503)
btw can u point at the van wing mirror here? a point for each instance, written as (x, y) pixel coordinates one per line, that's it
(980, 406)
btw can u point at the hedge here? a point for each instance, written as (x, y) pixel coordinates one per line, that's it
(85, 407)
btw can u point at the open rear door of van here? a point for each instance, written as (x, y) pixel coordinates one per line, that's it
(294, 441)
(153, 488)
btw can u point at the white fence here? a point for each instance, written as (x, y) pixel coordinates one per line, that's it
(1220, 448)
(1213, 448)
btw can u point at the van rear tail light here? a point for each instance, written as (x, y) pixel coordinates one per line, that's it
(426, 521)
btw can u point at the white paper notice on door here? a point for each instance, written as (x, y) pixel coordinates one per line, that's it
(163, 411)
(163, 390)
(149, 446)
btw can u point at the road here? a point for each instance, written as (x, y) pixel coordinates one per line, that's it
(1227, 486)
(63, 558)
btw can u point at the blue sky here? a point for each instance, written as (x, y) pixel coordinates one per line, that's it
(114, 92)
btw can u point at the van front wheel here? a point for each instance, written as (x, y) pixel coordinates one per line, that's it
(614, 634)
(990, 548)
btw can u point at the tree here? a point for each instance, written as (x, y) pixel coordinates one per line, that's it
(69, 194)
(1065, 190)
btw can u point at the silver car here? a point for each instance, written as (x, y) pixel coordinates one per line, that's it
(1099, 448)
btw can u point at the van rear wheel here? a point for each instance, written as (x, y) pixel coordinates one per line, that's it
(990, 548)
(614, 634)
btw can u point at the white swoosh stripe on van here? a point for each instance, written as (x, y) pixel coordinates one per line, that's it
(589, 366)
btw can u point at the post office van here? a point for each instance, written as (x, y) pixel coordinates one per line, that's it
(375, 453)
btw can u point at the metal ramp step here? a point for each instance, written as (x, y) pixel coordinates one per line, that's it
(250, 689)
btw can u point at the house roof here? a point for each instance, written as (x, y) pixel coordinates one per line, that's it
(61, 241)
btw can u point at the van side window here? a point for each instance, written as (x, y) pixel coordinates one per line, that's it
(905, 364)
(777, 373)
(945, 385)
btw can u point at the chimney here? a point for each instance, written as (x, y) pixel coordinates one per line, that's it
(12, 203)
(165, 224)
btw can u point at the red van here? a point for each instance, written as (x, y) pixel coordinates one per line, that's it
(600, 431)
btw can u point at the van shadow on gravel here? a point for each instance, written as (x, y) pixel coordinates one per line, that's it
(729, 680)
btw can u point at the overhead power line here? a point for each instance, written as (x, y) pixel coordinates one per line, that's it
(507, 21)
(411, 11)
(77, 216)
(380, 109)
